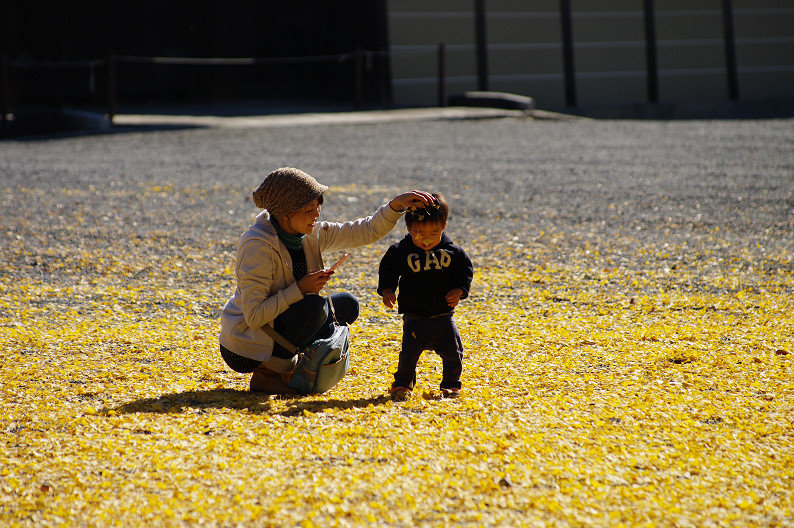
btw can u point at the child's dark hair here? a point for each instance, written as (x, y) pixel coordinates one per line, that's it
(435, 213)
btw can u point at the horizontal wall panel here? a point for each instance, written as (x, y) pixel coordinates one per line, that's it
(429, 31)
(765, 7)
(426, 64)
(691, 57)
(517, 62)
(523, 6)
(775, 83)
(693, 86)
(424, 6)
(778, 23)
(608, 29)
(516, 29)
(600, 60)
(630, 89)
(675, 28)
(687, 5)
(748, 55)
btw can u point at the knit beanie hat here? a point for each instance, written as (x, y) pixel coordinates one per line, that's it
(287, 190)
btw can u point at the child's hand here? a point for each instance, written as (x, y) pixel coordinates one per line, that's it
(453, 297)
(389, 298)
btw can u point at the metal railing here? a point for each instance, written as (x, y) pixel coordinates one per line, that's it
(362, 59)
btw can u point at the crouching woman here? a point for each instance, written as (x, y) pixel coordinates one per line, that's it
(280, 275)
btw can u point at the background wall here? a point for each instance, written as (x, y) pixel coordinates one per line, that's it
(53, 53)
(525, 56)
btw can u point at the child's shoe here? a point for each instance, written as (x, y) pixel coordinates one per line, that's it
(400, 393)
(450, 393)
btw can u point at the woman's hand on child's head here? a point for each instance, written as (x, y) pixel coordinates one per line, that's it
(389, 298)
(313, 282)
(453, 297)
(403, 201)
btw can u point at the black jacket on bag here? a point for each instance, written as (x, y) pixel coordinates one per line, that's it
(422, 278)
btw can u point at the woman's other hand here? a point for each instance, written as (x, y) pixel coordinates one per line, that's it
(403, 201)
(313, 282)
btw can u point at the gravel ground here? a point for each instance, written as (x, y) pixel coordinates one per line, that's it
(588, 401)
(634, 194)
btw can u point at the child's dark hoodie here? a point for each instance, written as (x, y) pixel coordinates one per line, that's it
(422, 278)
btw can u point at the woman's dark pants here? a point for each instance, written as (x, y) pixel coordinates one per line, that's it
(310, 319)
(303, 322)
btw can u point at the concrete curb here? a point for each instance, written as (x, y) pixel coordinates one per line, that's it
(326, 119)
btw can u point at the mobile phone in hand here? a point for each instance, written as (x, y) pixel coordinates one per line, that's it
(338, 262)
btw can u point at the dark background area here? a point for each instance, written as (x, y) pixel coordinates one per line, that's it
(55, 51)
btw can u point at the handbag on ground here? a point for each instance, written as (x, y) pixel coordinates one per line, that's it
(322, 363)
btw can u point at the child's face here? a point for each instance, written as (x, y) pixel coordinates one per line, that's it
(426, 235)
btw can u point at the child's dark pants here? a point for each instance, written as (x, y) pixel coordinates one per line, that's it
(438, 333)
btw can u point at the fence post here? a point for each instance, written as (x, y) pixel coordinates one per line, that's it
(4, 96)
(359, 67)
(482, 45)
(111, 71)
(651, 63)
(567, 52)
(442, 74)
(730, 50)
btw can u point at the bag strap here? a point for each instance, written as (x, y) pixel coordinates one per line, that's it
(331, 306)
(283, 341)
(280, 339)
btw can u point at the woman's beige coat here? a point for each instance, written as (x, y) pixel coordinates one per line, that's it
(266, 286)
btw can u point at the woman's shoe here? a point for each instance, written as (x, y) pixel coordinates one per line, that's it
(270, 382)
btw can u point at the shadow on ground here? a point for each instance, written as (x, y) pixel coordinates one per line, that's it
(252, 402)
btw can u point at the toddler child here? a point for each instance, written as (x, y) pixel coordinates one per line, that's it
(431, 275)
